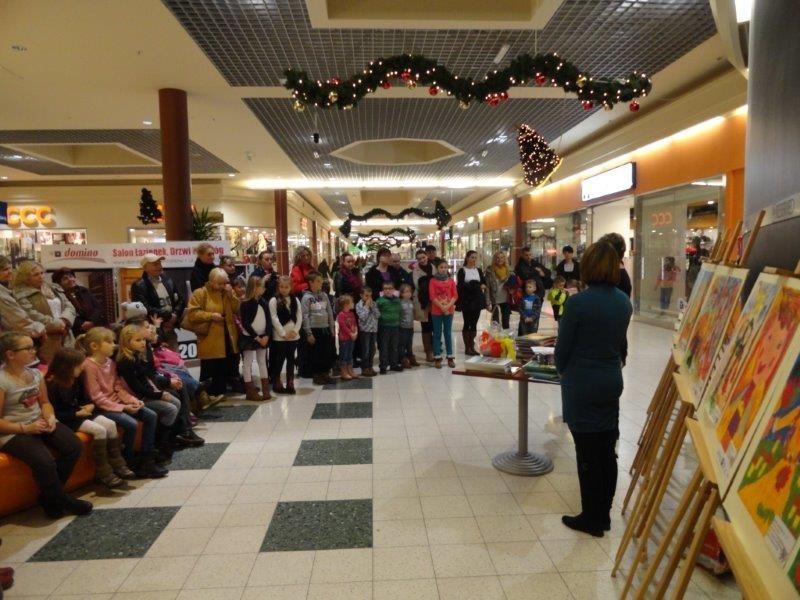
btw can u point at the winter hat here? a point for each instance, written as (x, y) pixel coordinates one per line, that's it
(130, 310)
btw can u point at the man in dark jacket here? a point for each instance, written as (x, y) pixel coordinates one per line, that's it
(158, 293)
(87, 308)
(528, 268)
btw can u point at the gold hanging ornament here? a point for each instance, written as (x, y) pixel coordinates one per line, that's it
(581, 81)
(298, 106)
(463, 104)
(333, 96)
(411, 84)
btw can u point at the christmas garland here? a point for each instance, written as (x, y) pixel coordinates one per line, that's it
(541, 69)
(539, 160)
(375, 242)
(440, 214)
(408, 232)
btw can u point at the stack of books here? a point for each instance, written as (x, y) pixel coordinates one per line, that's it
(488, 364)
(526, 343)
(540, 371)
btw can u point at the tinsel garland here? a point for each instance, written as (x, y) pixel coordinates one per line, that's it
(440, 214)
(540, 69)
(408, 232)
(375, 242)
(539, 160)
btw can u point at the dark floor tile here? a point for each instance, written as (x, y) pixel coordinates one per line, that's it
(321, 525)
(228, 414)
(362, 383)
(342, 410)
(108, 533)
(202, 457)
(356, 451)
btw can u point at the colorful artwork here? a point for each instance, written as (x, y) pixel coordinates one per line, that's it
(738, 412)
(695, 304)
(794, 573)
(733, 350)
(712, 320)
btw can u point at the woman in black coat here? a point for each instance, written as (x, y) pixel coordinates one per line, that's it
(383, 271)
(202, 266)
(589, 356)
(471, 287)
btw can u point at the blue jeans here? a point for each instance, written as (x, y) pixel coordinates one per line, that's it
(442, 324)
(368, 341)
(390, 347)
(346, 351)
(129, 425)
(665, 297)
(189, 383)
(167, 410)
(406, 342)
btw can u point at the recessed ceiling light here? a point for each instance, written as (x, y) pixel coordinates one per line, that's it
(148, 123)
(4, 177)
(711, 202)
(231, 174)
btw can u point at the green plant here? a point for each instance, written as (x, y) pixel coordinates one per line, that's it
(203, 225)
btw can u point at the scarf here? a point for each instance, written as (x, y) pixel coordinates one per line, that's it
(500, 272)
(441, 276)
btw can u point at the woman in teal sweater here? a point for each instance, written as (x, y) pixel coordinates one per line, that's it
(589, 356)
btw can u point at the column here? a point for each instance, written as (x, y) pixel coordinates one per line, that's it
(281, 232)
(314, 244)
(441, 243)
(519, 231)
(332, 250)
(176, 177)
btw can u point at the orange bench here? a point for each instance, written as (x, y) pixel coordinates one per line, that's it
(19, 491)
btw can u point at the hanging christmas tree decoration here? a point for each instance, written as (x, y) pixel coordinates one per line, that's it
(433, 90)
(333, 96)
(298, 106)
(634, 106)
(540, 68)
(149, 212)
(463, 105)
(411, 84)
(539, 160)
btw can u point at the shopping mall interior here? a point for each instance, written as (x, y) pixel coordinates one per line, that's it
(132, 132)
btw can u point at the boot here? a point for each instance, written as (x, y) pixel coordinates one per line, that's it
(344, 372)
(76, 506)
(437, 363)
(164, 449)
(351, 372)
(412, 360)
(277, 385)
(427, 344)
(104, 473)
(405, 363)
(265, 395)
(290, 386)
(318, 379)
(465, 339)
(451, 362)
(251, 393)
(236, 384)
(148, 469)
(116, 460)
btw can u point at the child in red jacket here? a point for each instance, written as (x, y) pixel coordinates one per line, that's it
(443, 295)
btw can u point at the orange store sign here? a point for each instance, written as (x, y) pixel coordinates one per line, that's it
(30, 216)
(660, 219)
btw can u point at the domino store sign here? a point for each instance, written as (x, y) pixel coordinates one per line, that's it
(108, 256)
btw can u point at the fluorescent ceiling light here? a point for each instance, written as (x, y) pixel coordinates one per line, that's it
(744, 8)
(501, 54)
(148, 123)
(455, 183)
(386, 223)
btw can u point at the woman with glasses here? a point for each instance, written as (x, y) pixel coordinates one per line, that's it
(12, 315)
(29, 430)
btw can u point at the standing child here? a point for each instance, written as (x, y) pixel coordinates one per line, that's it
(530, 309)
(319, 328)
(557, 296)
(443, 295)
(389, 321)
(368, 316)
(407, 358)
(665, 281)
(256, 330)
(142, 380)
(73, 410)
(287, 318)
(105, 389)
(348, 332)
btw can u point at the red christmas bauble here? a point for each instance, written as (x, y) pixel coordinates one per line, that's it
(503, 95)
(386, 84)
(433, 90)
(587, 105)
(494, 101)
(540, 79)
(634, 106)
(405, 75)
(336, 81)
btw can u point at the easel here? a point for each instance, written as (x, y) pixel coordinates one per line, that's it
(660, 444)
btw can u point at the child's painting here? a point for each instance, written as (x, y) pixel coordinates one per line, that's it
(738, 411)
(764, 501)
(734, 349)
(695, 304)
(712, 320)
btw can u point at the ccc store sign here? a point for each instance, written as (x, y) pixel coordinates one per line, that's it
(30, 216)
(660, 219)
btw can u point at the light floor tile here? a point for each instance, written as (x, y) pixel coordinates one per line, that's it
(418, 589)
(162, 573)
(410, 562)
(395, 488)
(351, 472)
(516, 558)
(236, 540)
(354, 590)
(180, 542)
(440, 486)
(316, 490)
(332, 566)
(96, 576)
(535, 503)
(345, 490)
(494, 505)
(213, 494)
(462, 560)
(282, 568)
(580, 555)
(198, 516)
(387, 509)
(455, 530)
(152, 595)
(233, 593)
(32, 579)
(484, 485)
(505, 528)
(245, 515)
(258, 493)
(538, 586)
(470, 588)
(440, 507)
(550, 527)
(277, 592)
(221, 571)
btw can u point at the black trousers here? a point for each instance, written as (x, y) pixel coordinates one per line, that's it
(281, 352)
(597, 473)
(50, 473)
(427, 326)
(505, 314)
(219, 370)
(471, 317)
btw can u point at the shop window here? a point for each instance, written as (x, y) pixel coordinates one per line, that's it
(25, 244)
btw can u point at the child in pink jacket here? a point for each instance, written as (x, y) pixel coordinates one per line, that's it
(442, 295)
(348, 332)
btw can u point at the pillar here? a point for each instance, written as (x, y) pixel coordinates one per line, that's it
(176, 176)
(332, 250)
(314, 244)
(519, 231)
(281, 232)
(734, 198)
(441, 243)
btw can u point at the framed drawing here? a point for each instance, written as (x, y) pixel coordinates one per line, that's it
(764, 501)
(712, 320)
(695, 303)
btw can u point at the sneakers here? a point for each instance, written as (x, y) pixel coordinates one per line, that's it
(189, 438)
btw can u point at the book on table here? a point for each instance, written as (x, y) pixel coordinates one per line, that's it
(488, 364)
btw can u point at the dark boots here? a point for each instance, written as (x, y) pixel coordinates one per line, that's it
(148, 469)
(265, 395)
(116, 460)
(57, 502)
(164, 448)
(250, 391)
(277, 385)
(104, 472)
(469, 342)
(290, 385)
(427, 344)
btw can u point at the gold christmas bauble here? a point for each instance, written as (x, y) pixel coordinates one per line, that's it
(581, 81)
(463, 105)
(298, 106)
(411, 84)
(333, 96)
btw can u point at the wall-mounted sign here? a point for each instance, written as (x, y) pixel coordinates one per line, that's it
(107, 256)
(661, 218)
(30, 216)
(608, 183)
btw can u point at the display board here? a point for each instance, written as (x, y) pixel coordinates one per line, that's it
(731, 413)
(108, 256)
(721, 299)
(763, 503)
(695, 304)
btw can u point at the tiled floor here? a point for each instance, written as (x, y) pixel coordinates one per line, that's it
(382, 489)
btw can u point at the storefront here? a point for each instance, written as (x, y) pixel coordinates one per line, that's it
(29, 227)
(675, 231)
